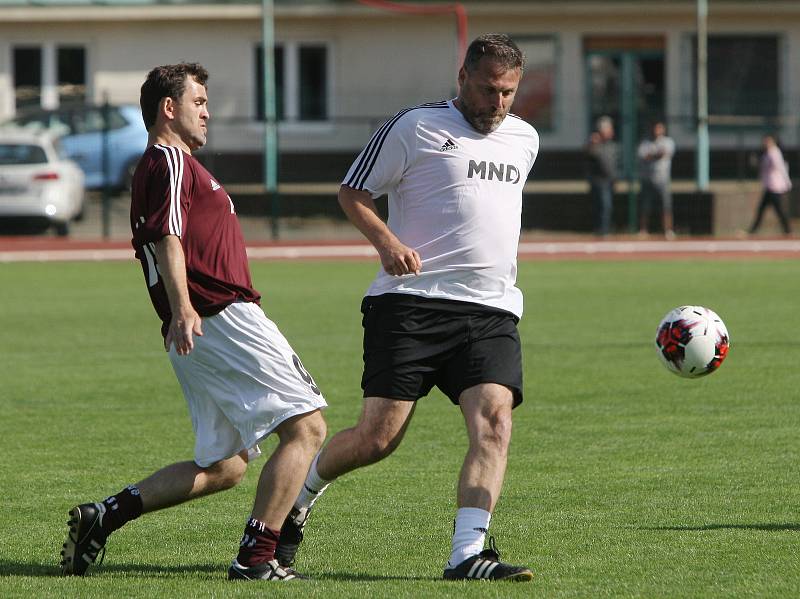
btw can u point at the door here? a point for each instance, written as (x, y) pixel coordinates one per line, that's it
(625, 80)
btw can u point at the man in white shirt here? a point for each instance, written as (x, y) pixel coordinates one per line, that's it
(443, 310)
(655, 172)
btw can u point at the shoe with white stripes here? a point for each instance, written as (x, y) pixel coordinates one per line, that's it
(270, 570)
(85, 540)
(487, 566)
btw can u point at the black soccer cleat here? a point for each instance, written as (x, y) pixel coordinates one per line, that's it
(85, 540)
(487, 566)
(291, 537)
(270, 570)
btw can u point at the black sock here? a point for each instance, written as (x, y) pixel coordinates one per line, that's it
(121, 508)
(258, 543)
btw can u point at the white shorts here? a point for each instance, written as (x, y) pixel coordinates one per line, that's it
(241, 380)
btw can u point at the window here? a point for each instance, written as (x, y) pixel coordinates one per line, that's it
(91, 120)
(278, 58)
(49, 76)
(57, 122)
(28, 77)
(71, 61)
(313, 83)
(301, 82)
(535, 100)
(22, 154)
(743, 76)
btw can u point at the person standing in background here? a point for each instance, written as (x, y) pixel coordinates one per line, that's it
(655, 172)
(774, 174)
(601, 166)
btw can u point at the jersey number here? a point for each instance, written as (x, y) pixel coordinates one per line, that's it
(307, 378)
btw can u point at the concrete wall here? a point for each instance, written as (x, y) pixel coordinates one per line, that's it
(379, 62)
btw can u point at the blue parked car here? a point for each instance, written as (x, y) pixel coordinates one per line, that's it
(80, 129)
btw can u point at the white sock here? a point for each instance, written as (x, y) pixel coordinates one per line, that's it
(472, 524)
(313, 487)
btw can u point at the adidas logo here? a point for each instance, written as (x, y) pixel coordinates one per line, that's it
(448, 145)
(214, 185)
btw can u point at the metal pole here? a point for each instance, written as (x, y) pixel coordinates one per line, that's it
(270, 114)
(628, 129)
(106, 162)
(702, 96)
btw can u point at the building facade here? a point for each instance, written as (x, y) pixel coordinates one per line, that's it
(342, 67)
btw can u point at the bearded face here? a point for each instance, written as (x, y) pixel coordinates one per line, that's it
(486, 94)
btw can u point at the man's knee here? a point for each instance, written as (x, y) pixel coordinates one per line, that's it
(226, 474)
(315, 429)
(497, 429)
(490, 428)
(379, 430)
(375, 445)
(309, 429)
(379, 435)
(488, 415)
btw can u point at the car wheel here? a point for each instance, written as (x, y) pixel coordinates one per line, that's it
(62, 228)
(82, 212)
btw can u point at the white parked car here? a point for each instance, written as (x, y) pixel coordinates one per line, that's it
(37, 183)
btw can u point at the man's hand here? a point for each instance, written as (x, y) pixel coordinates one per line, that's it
(398, 259)
(181, 330)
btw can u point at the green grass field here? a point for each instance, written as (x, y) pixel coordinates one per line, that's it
(623, 481)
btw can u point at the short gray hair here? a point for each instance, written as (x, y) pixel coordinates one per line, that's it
(603, 122)
(496, 46)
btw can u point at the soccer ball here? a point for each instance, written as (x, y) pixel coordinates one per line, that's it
(692, 341)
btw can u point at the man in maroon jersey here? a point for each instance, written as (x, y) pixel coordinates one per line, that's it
(241, 378)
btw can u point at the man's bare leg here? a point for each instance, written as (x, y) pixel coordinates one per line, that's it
(380, 428)
(487, 413)
(284, 473)
(378, 432)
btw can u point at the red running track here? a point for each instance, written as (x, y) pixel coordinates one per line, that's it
(46, 249)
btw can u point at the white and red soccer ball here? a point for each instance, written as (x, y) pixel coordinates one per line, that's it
(692, 341)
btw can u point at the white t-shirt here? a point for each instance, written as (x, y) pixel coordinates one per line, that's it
(455, 196)
(657, 170)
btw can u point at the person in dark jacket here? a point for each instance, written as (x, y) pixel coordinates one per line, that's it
(601, 166)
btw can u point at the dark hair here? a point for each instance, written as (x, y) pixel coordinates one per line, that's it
(497, 46)
(775, 138)
(167, 81)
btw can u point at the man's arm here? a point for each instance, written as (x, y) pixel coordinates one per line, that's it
(185, 320)
(396, 258)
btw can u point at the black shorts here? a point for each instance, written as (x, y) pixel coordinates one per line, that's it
(412, 343)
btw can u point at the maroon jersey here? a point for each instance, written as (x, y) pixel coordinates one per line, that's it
(173, 194)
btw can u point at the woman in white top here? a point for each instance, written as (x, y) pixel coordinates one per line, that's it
(774, 175)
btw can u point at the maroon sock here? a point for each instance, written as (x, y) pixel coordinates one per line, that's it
(258, 543)
(121, 508)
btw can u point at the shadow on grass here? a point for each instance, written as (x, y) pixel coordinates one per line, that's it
(765, 527)
(9, 568)
(360, 577)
